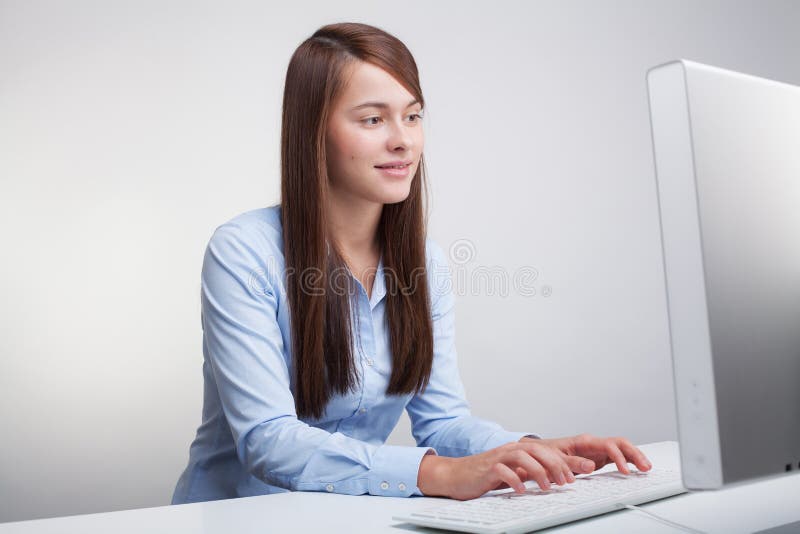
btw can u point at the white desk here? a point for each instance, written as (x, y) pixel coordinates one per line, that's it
(745, 508)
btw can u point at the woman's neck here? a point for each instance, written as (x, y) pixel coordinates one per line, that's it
(354, 226)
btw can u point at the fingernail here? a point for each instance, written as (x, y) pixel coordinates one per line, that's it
(586, 465)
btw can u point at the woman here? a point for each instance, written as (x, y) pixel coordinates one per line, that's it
(323, 318)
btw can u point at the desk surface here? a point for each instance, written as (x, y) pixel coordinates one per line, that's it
(744, 508)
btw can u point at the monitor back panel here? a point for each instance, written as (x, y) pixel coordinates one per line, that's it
(727, 151)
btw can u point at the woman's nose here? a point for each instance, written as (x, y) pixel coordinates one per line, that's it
(399, 137)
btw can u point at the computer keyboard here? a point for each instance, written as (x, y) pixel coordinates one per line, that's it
(511, 512)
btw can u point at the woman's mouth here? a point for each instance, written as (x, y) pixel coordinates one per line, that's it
(397, 170)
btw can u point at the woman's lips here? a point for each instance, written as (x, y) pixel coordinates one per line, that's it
(395, 172)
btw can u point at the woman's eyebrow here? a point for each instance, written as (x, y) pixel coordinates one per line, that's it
(381, 105)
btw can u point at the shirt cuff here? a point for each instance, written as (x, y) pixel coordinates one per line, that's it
(395, 470)
(504, 436)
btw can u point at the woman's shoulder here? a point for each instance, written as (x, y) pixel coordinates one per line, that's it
(258, 219)
(254, 236)
(260, 228)
(249, 244)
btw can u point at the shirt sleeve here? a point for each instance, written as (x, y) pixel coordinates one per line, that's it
(245, 349)
(440, 416)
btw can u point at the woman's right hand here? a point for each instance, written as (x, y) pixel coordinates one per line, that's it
(509, 465)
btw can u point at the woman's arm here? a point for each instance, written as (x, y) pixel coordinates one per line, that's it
(244, 347)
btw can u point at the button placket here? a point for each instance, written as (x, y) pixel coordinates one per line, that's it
(367, 349)
(360, 349)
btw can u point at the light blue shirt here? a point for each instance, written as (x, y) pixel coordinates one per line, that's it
(251, 441)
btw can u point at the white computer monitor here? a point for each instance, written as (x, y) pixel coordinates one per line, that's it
(727, 155)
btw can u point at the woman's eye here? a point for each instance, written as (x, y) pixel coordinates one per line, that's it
(372, 121)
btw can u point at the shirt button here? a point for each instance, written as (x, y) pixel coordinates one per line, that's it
(362, 410)
(370, 362)
(329, 487)
(401, 487)
(384, 485)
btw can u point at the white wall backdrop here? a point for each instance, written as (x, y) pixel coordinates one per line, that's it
(130, 130)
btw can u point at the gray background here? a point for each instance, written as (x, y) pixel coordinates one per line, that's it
(130, 130)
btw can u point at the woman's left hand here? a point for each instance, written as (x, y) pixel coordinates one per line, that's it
(600, 451)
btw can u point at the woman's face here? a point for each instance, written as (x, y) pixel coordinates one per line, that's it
(374, 122)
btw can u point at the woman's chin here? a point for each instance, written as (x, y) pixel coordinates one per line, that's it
(395, 196)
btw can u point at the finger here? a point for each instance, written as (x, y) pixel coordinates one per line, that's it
(552, 460)
(579, 464)
(521, 473)
(634, 455)
(616, 455)
(584, 453)
(566, 469)
(505, 474)
(535, 470)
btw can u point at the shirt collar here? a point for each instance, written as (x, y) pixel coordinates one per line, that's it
(378, 286)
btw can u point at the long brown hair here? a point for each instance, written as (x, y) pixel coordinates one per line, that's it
(322, 341)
